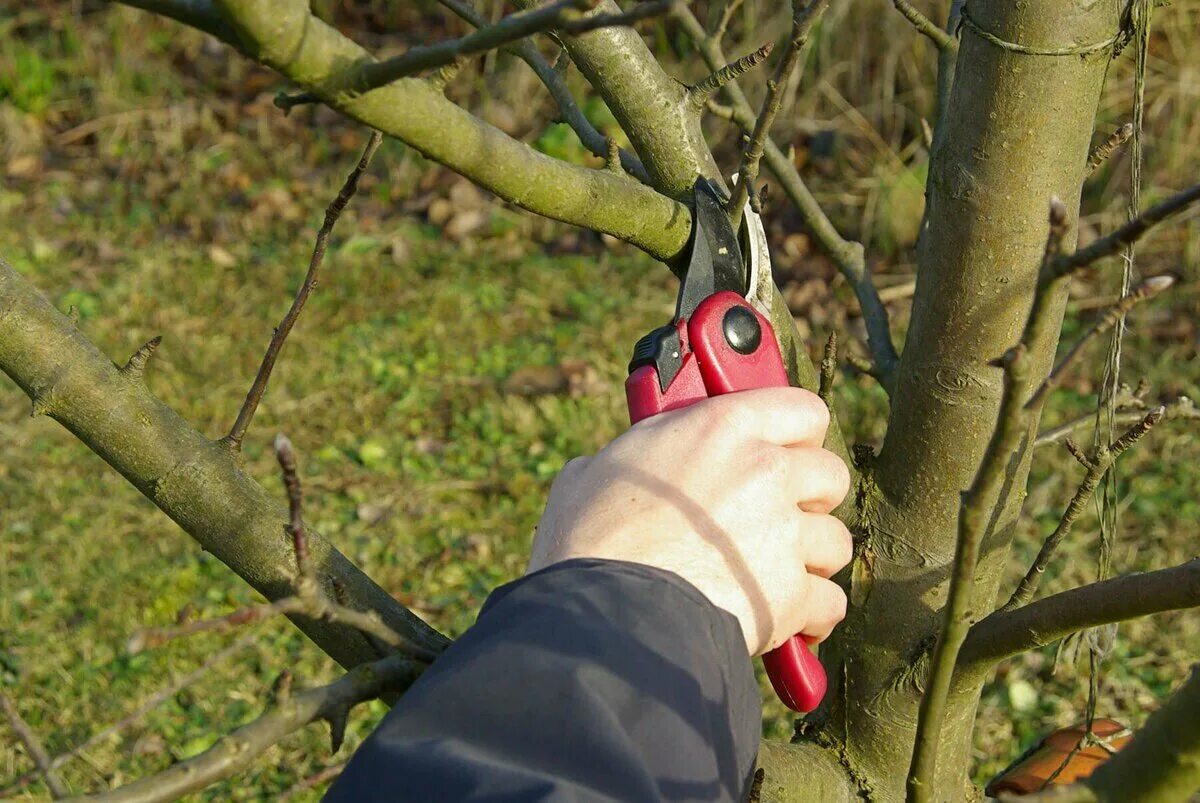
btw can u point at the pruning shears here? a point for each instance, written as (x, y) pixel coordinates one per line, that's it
(717, 343)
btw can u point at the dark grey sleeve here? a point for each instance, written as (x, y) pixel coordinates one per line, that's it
(589, 680)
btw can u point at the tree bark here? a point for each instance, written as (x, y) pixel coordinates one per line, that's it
(1015, 132)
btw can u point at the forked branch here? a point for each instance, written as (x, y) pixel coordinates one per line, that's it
(978, 502)
(309, 600)
(189, 477)
(925, 26)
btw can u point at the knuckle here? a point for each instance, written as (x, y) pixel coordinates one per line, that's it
(815, 409)
(729, 417)
(845, 543)
(774, 463)
(839, 473)
(838, 603)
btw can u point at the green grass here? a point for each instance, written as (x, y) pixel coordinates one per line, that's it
(189, 212)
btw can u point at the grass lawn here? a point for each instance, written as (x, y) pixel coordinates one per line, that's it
(433, 387)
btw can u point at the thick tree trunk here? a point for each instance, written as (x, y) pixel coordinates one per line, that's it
(1015, 133)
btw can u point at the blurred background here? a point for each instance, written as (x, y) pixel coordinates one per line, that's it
(457, 351)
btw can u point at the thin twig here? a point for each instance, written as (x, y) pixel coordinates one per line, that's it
(286, 455)
(288, 102)
(1182, 408)
(1098, 466)
(237, 750)
(802, 21)
(1104, 151)
(33, 746)
(316, 779)
(569, 110)
(149, 704)
(978, 502)
(643, 10)
(317, 607)
(828, 368)
(731, 7)
(1148, 288)
(848, 256)
(238, 431)
(1127, 235)
(700, 92)
(484, 38)
(926, 26)
(562, 16)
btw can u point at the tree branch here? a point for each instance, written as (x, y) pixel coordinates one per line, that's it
(568, 109)
(309, 599)
(236, 751)
(512, 28)
(846, 255)
(332, 212)
(562, 15)
(1182, 408)
(702, 91)
(977, 505)
(801, 772)
(731, 8)
(318, 58)
(802, 21)
(1097, 466)
(650, 106)
(1162, 763)
(1125, 236)
(828, 369)
(1007, 633)
(33, 746)
(1104, 151)
(199, 14)
(1148, 288)
(925, 26)
(145, 707)
(195, 481)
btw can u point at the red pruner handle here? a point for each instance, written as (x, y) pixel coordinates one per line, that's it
(727, 346)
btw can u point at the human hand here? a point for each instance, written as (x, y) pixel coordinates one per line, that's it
(733, 494)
